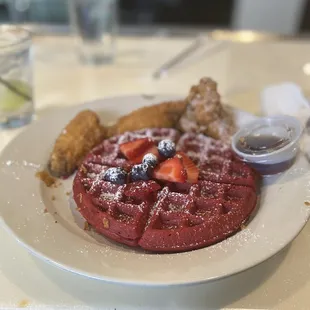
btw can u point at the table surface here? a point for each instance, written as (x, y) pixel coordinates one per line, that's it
(242, 70)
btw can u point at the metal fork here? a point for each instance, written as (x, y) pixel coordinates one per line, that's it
(180, 57)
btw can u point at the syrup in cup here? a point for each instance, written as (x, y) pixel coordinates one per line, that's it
(270, 144)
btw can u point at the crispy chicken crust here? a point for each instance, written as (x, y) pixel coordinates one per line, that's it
(162, 115)
(84, 132)
(81, 134)
(201, 112)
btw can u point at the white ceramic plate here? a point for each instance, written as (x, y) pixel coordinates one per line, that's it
(58, 237)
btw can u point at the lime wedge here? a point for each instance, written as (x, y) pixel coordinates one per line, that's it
(10, 101)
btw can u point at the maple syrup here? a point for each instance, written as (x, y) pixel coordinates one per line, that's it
(270, 145)
(260, 144)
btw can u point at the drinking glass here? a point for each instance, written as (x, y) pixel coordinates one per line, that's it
(16, 100)
(95, 24)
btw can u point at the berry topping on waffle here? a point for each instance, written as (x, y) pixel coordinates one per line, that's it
(141, 172)
(166, 148)
(171, 170)
(115, 175)
(135, 150)
(192, 171)
(199, 196)
(150, 159)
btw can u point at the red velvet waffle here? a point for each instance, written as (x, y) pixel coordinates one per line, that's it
(216, 161)
(167, 217)
(209, 212)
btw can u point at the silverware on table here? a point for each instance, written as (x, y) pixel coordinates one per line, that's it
(178, 58)
(198, 43)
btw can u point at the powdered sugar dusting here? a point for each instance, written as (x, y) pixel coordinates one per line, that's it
(202, 148)
(107, 196)
(197, 208)
(97, 179)
(150, 159)
(155, 134)
(155, 210)
(205, 112)
(167, 144)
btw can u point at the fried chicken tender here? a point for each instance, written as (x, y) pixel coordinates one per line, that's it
(200, 112)
(75, 141)
(84, 132)
(205, 112)
(163, 115)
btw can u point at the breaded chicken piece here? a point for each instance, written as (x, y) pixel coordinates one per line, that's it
(75, 141)
(206, 114)
(162, 115)
(201, 112)
(84, 132)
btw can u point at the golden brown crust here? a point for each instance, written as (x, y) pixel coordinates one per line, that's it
(111, 131)
(84, 132)
(163, 115)
(201, 112)
(76, 140)
(46, 178)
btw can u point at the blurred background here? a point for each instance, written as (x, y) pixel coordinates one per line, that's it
(288, 17)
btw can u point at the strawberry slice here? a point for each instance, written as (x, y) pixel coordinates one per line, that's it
(134, 149)
(171, 170)
(191, 169)
(152, 149)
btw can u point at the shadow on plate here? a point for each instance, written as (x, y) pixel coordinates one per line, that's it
(214, 295)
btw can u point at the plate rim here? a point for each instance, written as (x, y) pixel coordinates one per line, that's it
(124, 281)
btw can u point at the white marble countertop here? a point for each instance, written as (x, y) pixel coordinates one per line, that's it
(283, 282)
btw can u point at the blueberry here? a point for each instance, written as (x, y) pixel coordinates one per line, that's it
(116, 176)
(150, 160)
(141, 172)
(166, 148)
